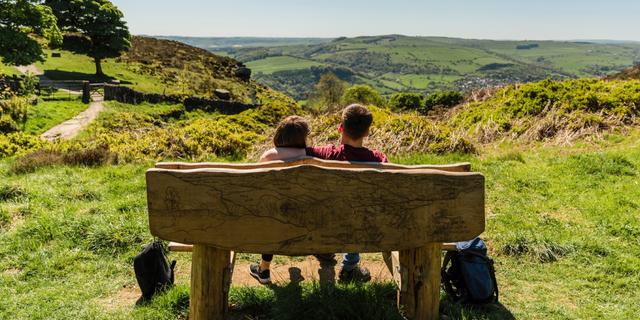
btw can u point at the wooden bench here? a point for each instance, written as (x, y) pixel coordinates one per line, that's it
(312, 206)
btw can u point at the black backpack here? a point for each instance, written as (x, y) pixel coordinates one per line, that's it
(468, 275)
(153, 272)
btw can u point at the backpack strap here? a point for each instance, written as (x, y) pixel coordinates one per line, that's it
(445, 279)
(493, 278)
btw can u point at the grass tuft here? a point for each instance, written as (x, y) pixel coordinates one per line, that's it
(602, 165)
(544, 250)
(12, 192)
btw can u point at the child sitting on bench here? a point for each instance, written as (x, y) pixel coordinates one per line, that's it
(290, 141)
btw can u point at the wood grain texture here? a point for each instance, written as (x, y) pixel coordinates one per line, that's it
(456, 167)
(392, 260)
(209, 274)
(420, 293)
(308, 209)
(387, 256)
(180, 247)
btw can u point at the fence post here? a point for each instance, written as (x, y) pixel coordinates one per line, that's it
(86, 92)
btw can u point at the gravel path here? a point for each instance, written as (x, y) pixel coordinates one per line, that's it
(30, 69)
(70, 128)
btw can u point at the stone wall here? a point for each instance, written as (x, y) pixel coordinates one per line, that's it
(128, 95)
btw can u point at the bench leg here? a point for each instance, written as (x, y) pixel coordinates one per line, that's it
(420, 298)
(208, 298)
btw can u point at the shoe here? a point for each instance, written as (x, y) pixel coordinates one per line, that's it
(264, 276)
(357, 274)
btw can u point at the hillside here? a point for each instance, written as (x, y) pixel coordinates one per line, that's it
(627, 74)
(160, 66)
(400, 63)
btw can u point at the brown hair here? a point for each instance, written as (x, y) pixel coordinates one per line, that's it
(356, 120)
(292, 132)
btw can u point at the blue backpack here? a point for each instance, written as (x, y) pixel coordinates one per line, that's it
(468, 275)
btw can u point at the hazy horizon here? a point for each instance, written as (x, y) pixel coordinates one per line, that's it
(376, 35)
(570, 20)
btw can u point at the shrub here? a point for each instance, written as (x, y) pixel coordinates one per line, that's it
(445, 99)
(406, 101)
(89, 156)
(362, 94)
(395, 133)
(13, 112)
(32, 161)
(545, 110)
(83, 156)
(7, 124)
(28, 85)
(18, 143)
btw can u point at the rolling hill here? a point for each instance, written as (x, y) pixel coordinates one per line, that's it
(394, 63)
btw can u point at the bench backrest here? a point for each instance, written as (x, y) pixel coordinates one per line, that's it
(314, 206)
(456, 167)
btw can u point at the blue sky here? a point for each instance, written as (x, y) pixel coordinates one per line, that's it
(488, 19)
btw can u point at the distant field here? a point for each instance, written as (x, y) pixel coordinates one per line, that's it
(224, 44)
(401, 63)
(274, 64)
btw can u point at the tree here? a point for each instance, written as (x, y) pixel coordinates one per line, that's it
(93, 27)
(327, 92)
(445, 99)
(406, 101)
(363, 94)
(24, 25)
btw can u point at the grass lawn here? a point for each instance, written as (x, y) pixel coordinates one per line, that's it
(48, 114)
(563, 225)
(73, 66)
(8, 70)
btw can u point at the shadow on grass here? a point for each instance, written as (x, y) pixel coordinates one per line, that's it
(491, 311)
(298, 300)
(312, 301)
(61, 75)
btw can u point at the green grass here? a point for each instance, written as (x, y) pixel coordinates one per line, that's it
(274, 64)
(562, 225)
(73, 66)
(48, 114)
(8, 70)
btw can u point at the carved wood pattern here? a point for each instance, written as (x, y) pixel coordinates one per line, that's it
(307, 209)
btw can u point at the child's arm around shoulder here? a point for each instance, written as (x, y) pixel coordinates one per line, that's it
(282, 154)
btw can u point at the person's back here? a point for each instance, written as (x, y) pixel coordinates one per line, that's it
(356, 122)
(290, 141)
